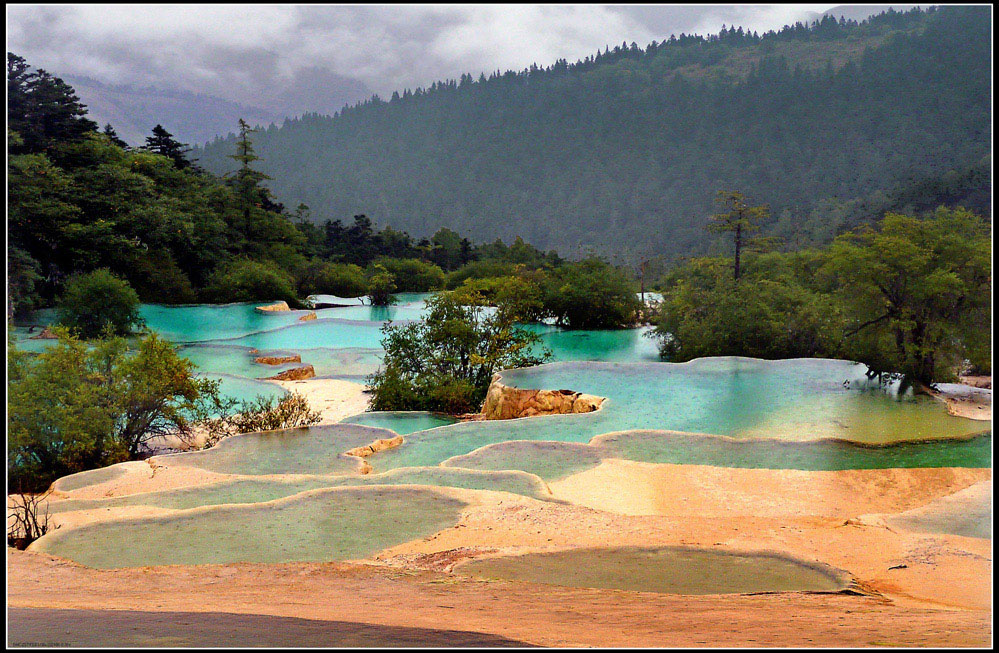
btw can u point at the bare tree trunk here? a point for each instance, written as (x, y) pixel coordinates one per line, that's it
(738, 248)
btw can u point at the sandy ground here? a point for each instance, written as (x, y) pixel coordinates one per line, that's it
(913, 588)
(972, 398)
(920, 588)
(384, 598)
(333, 398)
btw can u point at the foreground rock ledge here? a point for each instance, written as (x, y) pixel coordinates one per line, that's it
(504, 402)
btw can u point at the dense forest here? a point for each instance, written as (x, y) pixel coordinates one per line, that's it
(80, 200)
(831, 123)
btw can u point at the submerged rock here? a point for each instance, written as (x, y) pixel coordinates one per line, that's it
(278, 360)
(504, 402)
(294, 374)
(46, 334)
(311, 315)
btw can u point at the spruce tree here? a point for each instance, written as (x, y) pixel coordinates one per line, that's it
(163, 143)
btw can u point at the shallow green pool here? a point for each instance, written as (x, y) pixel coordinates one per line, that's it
(305, 450)
(665, 570)
(401, 422)
(813, 402)
(322, 525)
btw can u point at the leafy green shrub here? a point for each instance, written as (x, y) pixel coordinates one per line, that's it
(446, 362)
(479, 270)
(590, 294)
(251, 281)
(80, 405)
(340, 279)
(381, 286)
(23, 281)
(413, 275)
(261, 414)
(521, 297)
(98, 303)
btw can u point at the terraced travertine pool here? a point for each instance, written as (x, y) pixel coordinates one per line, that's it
(725, 412)
(665, 570)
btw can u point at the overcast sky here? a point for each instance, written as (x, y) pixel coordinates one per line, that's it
(291, 59)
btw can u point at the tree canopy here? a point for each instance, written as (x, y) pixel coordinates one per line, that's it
(910, 296)
(446, 362)
(830, 123)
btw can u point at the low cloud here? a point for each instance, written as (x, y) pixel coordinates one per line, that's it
(291, 59)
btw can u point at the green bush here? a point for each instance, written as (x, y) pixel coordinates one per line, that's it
(479, 270)
(521, 297)
(251, 281)
(23, 281)
(261, 414)
(381, 286)
(340, 279)
(98, 303)
(80, 405)
(413, 275)
(446, 362)
(590, 294)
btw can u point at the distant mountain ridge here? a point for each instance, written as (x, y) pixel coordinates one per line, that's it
(192, 117)
(626, 149)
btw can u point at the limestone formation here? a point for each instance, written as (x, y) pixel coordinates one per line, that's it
(46, 334)
(278, 360)
(503, 402)
(294, 374)
(311, 315)
(276, 307)
(375, 447)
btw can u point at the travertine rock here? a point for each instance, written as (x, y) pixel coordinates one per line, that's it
(295, 374)
(278, 360)
(375, 447)
(276, 307)
(311, 315)
(503, 402)
(46, 334)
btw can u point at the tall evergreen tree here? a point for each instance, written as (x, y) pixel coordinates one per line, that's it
(163, 143)
(41, 108)
(110, 132)
(740, 219)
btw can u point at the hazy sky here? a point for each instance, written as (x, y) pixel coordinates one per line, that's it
(294, 58)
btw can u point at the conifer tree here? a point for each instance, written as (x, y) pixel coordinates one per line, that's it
(740, 219)
(163, 143)
(110, 132)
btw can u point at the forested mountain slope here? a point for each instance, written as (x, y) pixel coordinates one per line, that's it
(625, 150)
(134, 111)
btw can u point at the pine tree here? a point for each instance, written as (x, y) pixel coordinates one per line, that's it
(247, 181)
(110, 132)
(163, 143)
(740, 219)
(41, 108)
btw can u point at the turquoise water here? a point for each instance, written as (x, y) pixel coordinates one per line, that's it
(306, 450)
(401, 422)
(549, 461)
(801, 400)
(200, 322)
(332, 333)
(242, 389)
(619, 346)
